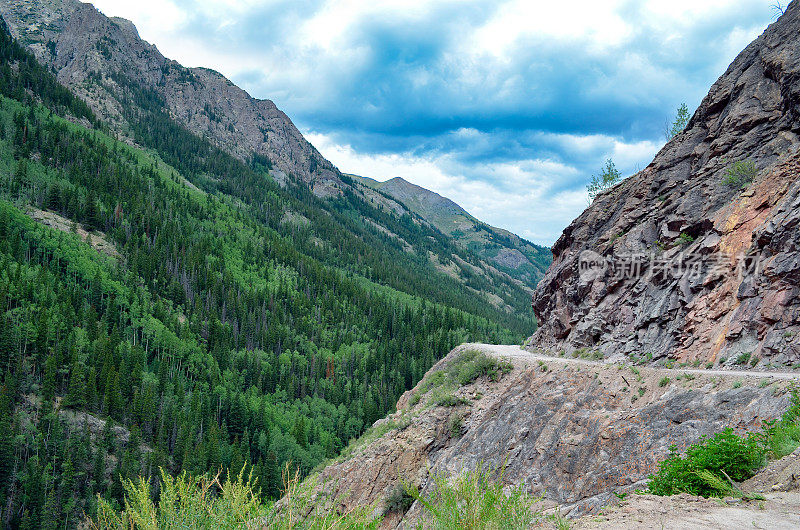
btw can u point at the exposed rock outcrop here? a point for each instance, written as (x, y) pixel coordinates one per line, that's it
(573, 431)
(718, 266)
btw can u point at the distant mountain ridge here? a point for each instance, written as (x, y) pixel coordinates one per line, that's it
(505, 250)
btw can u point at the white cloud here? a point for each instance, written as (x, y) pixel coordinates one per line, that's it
(520, 196)
(487, 76)
(597, 23)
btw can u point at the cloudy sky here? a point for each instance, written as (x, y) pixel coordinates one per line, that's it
(505, 106)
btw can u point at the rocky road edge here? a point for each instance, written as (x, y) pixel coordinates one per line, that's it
(572, 430)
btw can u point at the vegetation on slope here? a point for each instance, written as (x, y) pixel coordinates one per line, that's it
(490, 243)
(475, 499)
(708, 467)
(217, 336)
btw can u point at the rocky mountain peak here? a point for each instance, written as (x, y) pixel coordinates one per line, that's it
(92, 53)
(696, 257)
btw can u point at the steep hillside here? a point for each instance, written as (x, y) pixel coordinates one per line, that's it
(508, 252)
(156, 103)
(106, 64)
(173, 306)
(697, 257)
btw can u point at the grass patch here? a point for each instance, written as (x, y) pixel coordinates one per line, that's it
(450, 400)
(472, 364)
(474, 500)
(641, 358)
(586, 353)
(467, 367)
(664, 381)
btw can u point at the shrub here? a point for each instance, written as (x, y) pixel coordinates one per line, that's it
(472, 500)
(739, 457)
(456, 425)
(703, 470)
(472, 364)
(740, 174)
(184, 502)
(684, 239)
(398, 500)
(449, 400)
(742, 358)
(780, 438)
(187, 502)
(664, 382)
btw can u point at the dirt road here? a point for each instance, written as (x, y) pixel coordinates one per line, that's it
(516, 354)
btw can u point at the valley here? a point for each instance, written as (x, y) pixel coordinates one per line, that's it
(206, 323)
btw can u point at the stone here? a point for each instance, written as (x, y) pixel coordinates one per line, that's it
(746, 242)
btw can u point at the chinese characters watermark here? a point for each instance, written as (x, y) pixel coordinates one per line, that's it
(694, 266)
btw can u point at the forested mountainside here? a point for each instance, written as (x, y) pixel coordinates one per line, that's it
(151, 101)
(105, 63)
(506, 251)
(169, 304)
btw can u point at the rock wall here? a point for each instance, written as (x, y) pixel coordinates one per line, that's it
(674, 262)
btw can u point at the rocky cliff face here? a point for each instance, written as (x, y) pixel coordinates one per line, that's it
(89, 51)
(573, 431)
(675, 262)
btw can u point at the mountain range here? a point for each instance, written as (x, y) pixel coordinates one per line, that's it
(186, 284)
(125, 79)
(506, 251)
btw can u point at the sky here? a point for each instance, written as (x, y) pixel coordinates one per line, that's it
(508, 107)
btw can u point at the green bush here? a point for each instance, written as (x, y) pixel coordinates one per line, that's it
(472, 364)
(184, 502)
(743, 358)
(702, 471)
(740, 174)
(473, 500)
(664, 382)
(684, 239)
(456, 425)
(738, 457)
(780, 438)
(398, 500)
(205, 503)
(449, 400)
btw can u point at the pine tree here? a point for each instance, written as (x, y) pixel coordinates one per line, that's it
(272, 477)
(6, 444)
(299, 432)
(49, 381)
(76, 395)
